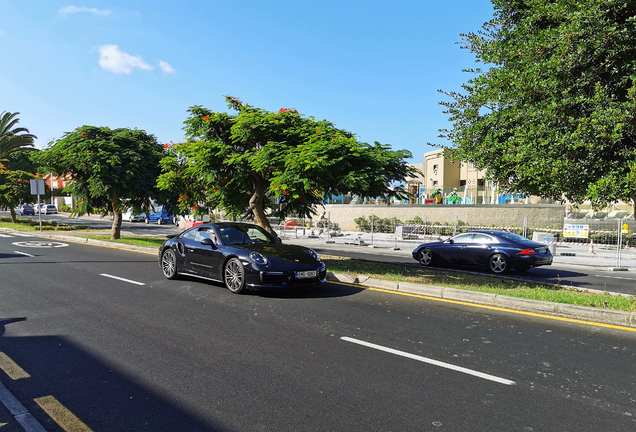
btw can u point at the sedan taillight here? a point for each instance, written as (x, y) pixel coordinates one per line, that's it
(528, 251)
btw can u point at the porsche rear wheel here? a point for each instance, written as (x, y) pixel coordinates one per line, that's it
(169, 264)
(234, 276)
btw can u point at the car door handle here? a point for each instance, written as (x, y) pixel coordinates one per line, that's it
(464, 246)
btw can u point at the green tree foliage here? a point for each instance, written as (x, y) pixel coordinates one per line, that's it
(109, 169)
(555, 114)
(245, 163)
(13, 138)
(15, 189)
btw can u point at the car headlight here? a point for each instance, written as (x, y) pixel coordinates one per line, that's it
(258, 258)
(313, 254)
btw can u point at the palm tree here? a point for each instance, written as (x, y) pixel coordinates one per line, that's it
(13, 138)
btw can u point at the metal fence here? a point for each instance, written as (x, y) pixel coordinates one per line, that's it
(607, 232)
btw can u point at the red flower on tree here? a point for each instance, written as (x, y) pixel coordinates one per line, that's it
(83, 134)
(207, 117)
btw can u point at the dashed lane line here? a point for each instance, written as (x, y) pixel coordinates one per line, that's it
(24, 253)
(430, 361)
(122, 279)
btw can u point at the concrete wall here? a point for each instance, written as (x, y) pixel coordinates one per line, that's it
(539, 215)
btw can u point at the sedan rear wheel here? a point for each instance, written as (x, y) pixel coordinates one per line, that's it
(425, 257)
(234, 276)
(169, 264)
(498, 264)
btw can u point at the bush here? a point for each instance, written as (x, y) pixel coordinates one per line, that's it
(64, 208)
(380, 225)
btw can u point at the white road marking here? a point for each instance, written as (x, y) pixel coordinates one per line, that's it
(22, 234)
(24, 417)
(615, 277)
(122, 279)
(430, 361)
(6, 236)
(24, 253)
(40, 244)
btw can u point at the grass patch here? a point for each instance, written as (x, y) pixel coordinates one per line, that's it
(478, 282)
(30, 225)
(154, 242)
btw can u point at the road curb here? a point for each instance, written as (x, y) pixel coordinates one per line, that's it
(582, 313)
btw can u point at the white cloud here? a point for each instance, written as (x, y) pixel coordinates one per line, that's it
(2, 33)
(67, 10)
(165, 66)
(113, 60)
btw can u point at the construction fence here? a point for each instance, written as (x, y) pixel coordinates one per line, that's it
(609, 233)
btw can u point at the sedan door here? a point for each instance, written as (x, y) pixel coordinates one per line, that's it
(454, 250)
(479, 250)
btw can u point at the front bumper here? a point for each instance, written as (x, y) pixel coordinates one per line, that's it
(275, 279)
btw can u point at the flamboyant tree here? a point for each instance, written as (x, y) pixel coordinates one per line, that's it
(554, 114)
(257, 163)
(111, 169)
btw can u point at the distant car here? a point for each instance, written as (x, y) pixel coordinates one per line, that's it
(39, 208)
(48, 209)
(27, 210)
(159, 216)
(498, 251)
(243, 256)
(129, 216)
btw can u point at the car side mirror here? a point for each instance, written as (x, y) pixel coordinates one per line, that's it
(208, 242)
(451, 241)
(278, 240)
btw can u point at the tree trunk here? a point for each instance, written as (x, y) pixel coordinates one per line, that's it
(115, 232)
(14, 217)
(256, 203)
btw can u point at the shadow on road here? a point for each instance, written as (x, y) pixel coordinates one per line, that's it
(100, 395)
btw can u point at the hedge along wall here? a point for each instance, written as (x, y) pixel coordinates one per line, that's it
(503, 215)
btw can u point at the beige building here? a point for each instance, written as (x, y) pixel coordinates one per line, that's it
(440, 172)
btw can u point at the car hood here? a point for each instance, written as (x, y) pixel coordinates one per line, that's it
(287, 252)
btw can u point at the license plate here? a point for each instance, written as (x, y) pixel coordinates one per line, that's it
(306, 274)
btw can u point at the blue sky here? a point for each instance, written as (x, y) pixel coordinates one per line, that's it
(370, 67)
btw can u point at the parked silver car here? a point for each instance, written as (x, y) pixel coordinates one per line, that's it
(48, 209)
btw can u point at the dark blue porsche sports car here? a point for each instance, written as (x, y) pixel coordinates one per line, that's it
(497, 250)
(243, 256)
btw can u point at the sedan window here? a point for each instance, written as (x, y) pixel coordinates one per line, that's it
(483, 238)
(463, 238)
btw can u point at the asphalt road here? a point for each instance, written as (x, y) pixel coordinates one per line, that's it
(581, 276)
(103, 335)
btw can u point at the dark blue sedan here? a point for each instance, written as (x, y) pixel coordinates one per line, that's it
(243, 256)
(497, 250)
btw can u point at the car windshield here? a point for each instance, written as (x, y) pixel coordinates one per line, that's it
(513, 237)
(245, 234)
